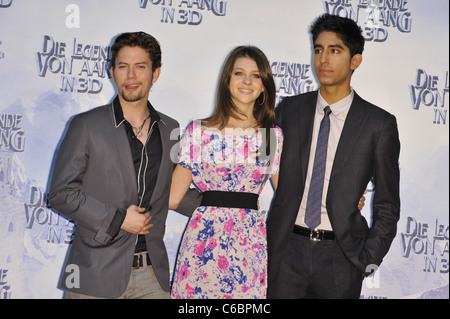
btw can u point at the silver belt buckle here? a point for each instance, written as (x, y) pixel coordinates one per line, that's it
(314, 235)
(141, 259)
(138, 261)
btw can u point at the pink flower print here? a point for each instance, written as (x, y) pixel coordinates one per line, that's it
(201, 186)
(245, 288)
(243, 241)
(222, 171)
(255, 276)
(183, 273)
(262, 278)
(212, 244)
(252, 147)
(243, 213)
(199, 248)
(237, 170)
(223, 263)
(229, 226)
(256, 175)
(206, 138)
(256, 247)
(194, 153)
(263, 231)
(194, 221)
(189, 292)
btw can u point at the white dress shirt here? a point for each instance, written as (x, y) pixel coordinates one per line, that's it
(337, 120)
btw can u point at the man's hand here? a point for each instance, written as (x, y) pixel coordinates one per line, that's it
(136, 221)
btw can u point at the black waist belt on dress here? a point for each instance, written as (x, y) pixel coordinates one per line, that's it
(230, 199)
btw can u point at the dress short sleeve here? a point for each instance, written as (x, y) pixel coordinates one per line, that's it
(190, 146)
(275, 160)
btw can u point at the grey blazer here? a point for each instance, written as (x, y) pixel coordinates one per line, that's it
(93, 176)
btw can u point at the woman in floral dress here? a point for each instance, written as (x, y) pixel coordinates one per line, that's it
(229, 157)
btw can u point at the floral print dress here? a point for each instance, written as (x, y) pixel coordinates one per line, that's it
(223, 253)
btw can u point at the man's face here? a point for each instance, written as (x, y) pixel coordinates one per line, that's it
(332, 61)
(133, 74)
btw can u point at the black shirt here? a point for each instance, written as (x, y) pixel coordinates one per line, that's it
(146, 159)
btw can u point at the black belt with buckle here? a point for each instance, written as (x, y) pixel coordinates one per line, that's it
(316, 235)
(141, 260)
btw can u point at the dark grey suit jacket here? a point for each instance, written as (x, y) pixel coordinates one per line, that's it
(93, 176)
(369, 148)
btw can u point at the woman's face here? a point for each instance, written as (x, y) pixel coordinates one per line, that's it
(245, 83)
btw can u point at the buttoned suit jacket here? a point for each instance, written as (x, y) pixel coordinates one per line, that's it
(94, 176)
(368, 149)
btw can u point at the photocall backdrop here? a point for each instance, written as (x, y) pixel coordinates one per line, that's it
(54, 59)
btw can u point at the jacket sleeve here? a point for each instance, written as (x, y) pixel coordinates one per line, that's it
(386, 199)
(190, 202)
(66, 194)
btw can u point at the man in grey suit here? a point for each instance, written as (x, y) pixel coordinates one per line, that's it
(319, 244)
(112, 176)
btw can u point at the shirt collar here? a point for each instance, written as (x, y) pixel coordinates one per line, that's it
(118, 112)
(339, 108)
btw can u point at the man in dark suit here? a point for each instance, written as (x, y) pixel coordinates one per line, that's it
(112, 177)
(320, 246)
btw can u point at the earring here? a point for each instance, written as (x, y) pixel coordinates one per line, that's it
(264, 98)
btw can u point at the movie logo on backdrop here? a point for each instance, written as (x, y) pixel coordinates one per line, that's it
(50, 226)
(2, 54)
(376, 15)
(186, 12)
(431, 91)
(4, 286)
(5, 3)
(82, 67)
(429, 241)
(292, 79)
(12, 136)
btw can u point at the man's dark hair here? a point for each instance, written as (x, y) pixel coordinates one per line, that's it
(348, 30)
(140, 39)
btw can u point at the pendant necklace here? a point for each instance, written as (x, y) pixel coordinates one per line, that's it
(138, 130)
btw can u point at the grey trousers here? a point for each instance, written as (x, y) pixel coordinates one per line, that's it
(142, 285)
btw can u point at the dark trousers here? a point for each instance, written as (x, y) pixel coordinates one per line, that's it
(316, 270)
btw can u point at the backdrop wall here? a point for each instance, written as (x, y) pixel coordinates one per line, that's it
(54, 63)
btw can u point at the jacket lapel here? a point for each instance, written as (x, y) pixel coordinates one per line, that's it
(353, 128)
(165, 160)
(306, 124)
(125, 159)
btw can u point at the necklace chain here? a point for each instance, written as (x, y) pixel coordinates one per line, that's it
(138, 130)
